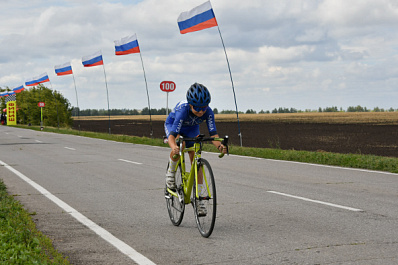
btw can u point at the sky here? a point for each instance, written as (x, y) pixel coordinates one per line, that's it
(301, 54)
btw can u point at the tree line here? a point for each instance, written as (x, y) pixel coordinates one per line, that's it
(357, 108)
(162, 111)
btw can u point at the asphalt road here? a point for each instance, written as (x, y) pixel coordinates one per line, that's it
(102, 202)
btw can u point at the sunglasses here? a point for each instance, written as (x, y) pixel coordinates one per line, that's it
(198, 109)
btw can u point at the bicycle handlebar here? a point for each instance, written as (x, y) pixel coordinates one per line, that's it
(201, 138)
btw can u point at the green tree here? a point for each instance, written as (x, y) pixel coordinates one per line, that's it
(330, 109)
(145, 111)
(57, 108)
(250, 111)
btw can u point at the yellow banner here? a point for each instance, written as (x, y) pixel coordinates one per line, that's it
(11, 113)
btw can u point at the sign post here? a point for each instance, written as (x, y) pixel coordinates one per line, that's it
(41, 106)
(167, 86)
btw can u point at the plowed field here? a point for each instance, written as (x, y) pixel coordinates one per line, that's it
(373, 133)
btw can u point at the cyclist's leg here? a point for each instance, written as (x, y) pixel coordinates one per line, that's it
(171, 141)
(170, 173)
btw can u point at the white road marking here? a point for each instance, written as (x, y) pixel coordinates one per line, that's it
(117, 243)
(69, 148)
(128, 161)
(316, 201)
(318, 165)
(38, 141)
(337, 167)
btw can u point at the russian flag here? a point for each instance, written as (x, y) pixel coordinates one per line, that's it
(4, 94)
(42, 78)
(31, 82)
(63, 69)
(18, 89)
(201, 17)
(93, 59)
(127, 45)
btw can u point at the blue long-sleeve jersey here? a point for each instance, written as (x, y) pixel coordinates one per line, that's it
(182, 120)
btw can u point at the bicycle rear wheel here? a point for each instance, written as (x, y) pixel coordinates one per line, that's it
(175, 202)
(207, 200)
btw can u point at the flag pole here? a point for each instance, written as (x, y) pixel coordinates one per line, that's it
(107, 96)
(77, 101)
(56, 103)
(233, 88)
(147, 93)
(41, 111)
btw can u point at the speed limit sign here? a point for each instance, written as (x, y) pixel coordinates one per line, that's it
(41, 104)
(167, 86)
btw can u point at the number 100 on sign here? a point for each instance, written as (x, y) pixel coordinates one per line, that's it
(167, 86)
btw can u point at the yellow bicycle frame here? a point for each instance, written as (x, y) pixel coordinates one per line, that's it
(188, 178)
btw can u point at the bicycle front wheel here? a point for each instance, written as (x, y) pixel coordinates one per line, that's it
(205, 201)
(175, 199)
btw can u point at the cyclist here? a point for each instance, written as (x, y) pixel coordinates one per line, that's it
(184, 120)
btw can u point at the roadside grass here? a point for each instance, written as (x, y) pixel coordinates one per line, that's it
(370, 162)
(20, 242)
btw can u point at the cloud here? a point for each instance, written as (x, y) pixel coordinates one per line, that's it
(302, 54)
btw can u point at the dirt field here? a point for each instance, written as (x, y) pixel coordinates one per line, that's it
(366, 133)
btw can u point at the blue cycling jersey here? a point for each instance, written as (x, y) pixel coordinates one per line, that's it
(182, 119)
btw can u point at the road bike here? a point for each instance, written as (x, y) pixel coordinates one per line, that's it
(187, 186)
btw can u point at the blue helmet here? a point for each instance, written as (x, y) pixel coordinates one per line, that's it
(198, 95)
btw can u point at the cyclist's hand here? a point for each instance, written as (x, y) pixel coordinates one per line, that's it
(222, 149)
(176, 150)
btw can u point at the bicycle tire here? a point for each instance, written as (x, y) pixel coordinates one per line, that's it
(176, 205)
(206, 223)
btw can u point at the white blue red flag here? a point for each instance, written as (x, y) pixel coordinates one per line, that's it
(18, 89)
(201, 17)
(3, 94)
(42, 78)
(93, 59)
(31, 82)
(63, 69)
(127, 45)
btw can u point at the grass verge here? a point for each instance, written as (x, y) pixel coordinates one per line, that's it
(20, 242)
(371, 162)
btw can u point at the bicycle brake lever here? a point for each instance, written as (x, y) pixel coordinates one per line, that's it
(225, 143)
